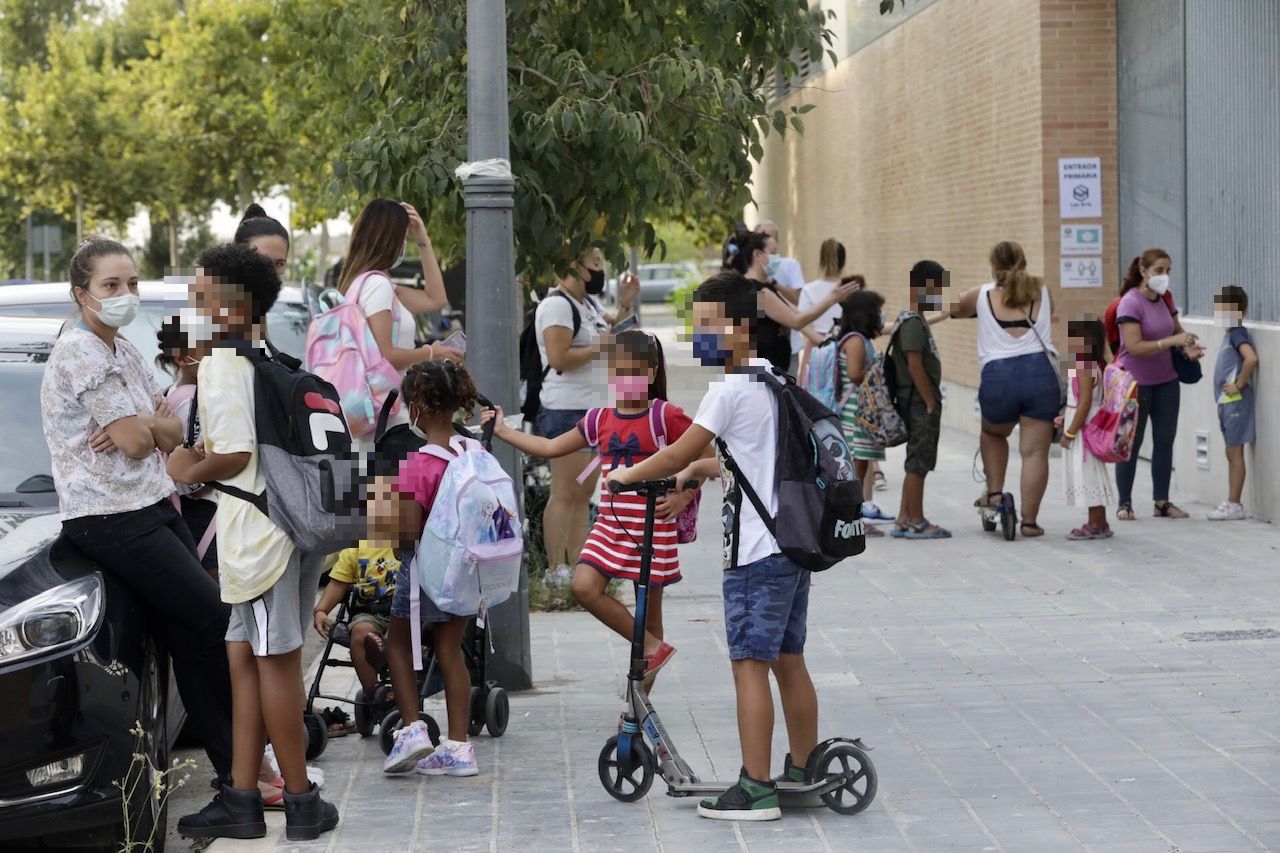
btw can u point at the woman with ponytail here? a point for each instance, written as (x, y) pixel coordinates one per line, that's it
(1149, 330)
(1019, 384)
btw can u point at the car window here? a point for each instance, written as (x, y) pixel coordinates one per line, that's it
(25, 466)
(287, 327)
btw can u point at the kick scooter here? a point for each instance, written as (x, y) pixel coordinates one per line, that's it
(1004, 513)
(839, 773)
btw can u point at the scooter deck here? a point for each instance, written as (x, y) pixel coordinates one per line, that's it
(793, 795)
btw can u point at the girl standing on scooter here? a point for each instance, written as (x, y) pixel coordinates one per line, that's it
(639, 424)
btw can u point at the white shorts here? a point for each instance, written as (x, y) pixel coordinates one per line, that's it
(273, 622)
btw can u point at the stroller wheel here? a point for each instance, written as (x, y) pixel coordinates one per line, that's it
(475, 723)
(497, 711)
(317, 734)
(365, 717)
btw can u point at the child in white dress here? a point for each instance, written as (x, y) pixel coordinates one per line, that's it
(1088, 482)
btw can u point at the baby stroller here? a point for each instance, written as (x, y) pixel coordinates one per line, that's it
(490, 707)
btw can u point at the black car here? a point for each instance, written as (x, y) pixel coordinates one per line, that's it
(79, 667)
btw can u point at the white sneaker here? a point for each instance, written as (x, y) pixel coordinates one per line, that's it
(450, 759)
(560, 577)
(413, 743)
(1228, 512)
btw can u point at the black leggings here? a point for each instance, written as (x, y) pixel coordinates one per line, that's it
(151, 551)
(1160, 404)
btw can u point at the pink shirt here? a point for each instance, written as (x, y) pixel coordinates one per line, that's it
(1155, 319)
(419, 478)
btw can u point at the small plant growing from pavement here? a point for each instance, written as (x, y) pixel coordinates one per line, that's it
(158, 783)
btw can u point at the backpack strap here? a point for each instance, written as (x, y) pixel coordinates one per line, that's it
(741, 482)
(357, 287)
(592, 434)
(384, 414)
(658, 423)
(577, 321)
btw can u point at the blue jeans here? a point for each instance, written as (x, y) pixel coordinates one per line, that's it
(1024, 386)
(766, 609)
(1160, 404)
(556, 422)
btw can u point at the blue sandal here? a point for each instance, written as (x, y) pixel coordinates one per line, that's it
(921, 531)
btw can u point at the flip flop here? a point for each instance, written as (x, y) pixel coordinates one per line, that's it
(338, 721)
(1125, 513)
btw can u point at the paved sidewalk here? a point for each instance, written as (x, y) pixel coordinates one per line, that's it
(1037, 695)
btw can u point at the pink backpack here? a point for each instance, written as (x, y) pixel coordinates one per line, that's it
(1109, 434)
(342, 351)
(687, 518)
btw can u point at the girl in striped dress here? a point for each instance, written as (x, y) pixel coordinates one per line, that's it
(860, 321)
(640, 422)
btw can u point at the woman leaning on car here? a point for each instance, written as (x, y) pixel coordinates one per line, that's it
(105, 430)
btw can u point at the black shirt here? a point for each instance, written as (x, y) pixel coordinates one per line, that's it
(773, 340)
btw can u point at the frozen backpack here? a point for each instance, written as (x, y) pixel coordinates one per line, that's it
(823, 378)
(1110, 432)
(342, 351)
(468, 558)
(687, 518)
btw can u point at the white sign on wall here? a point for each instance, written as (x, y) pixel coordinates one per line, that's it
(1081, 272)
(1080, 187)
(1081, 240)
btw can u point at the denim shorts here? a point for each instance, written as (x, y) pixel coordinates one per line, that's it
(1024, 386)
(401, 605)
(766, 609)
(556, 422)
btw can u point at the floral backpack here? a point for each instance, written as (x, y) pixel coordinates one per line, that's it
(877, 416)
(342, 351)
(1110, 432)
(687, 518)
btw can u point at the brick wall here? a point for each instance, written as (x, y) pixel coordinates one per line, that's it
(941, 138)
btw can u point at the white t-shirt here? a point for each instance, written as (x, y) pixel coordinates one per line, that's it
(789, 273)
(813, 293)
(586, 386)
(378, 294)
(742, 412)
(252, 552)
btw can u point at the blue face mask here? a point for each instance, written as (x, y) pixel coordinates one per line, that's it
(772, 265)
(708, 348)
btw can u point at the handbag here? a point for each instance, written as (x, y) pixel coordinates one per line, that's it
(1189, 370)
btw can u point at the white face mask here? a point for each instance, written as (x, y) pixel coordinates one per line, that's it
(414, 428)
(199, 328)
(1227, 319)
(116, 311)
(1159, 284)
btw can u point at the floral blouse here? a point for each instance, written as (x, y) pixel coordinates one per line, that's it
(87, 386)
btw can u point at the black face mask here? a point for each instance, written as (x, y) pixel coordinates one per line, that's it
(595, 284)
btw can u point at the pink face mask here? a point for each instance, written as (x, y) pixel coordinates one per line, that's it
(631, 388)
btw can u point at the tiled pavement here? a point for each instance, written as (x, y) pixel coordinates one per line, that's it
(1036, 695)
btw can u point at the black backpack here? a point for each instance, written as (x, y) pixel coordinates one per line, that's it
(532, 370)
(819, 520)
(313, 488)
(890, 366)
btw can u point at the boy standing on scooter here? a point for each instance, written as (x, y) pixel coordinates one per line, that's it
(766, 595)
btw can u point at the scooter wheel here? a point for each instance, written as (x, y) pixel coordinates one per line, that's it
(846, 759)
(475, 723)
(988, 524)
(391, 724)
(364, 716)
(626, 778)
(497, 711)
(317, 734)
(1009, 518)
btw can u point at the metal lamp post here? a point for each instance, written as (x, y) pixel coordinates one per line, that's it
(493, 299)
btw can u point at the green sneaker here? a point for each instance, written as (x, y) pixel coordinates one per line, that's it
(790, 772)
(747, 800)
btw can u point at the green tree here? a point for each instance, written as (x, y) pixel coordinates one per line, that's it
(623, 113)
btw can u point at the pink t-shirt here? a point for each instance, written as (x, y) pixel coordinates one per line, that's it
(419, 478)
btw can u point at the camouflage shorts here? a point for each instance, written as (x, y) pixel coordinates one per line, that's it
(923, 433)
(766, 609)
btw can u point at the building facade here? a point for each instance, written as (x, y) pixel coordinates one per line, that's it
(944, 130)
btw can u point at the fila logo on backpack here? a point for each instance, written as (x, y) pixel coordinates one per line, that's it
(819, 520)
(468, 558)
(313, 489)
(342, 351)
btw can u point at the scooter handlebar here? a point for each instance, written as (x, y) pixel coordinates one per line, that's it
(644, 487)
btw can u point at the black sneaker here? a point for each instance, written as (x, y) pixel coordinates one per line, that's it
(791, 773)
(232, 814)
(747, 800)
(306, 815)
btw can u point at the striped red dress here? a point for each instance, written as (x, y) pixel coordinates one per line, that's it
(613, 545)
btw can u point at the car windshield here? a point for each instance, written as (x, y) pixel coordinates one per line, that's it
(25, 466)
(286, 326)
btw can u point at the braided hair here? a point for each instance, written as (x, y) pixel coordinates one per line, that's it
(439, 387)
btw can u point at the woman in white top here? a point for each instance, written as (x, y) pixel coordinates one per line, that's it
(377, 246)
(105, 428)
(1019, 384)
(574, 382)
(831, 257)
